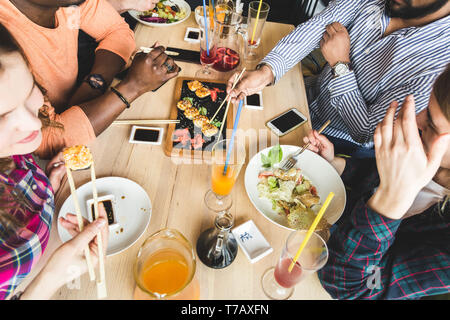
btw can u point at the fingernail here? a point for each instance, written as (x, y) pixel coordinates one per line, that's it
(101, 223)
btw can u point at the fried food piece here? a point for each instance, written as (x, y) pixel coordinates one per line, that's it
(194, 85)
(202, 92)
(77, 157)
(309, 199)
(184, 104)
(209, 130)
(200, 120)
(191, 112)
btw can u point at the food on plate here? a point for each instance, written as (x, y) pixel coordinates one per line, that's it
(184, 137)
(197, 142)
(209, 129)
(202, 92)
(191, 112)
(163, 13)
(292, 194)
(200, 120)
(77, 157)
(184, 104)
(214, 92)
(194, 85)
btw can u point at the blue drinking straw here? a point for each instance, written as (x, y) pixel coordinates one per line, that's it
(230, 147)
(206, 27)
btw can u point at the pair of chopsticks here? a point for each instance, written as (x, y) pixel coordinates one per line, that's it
(148, 50)
(144, 122)
(101, 284)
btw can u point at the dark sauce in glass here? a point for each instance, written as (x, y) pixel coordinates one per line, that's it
(109, 211)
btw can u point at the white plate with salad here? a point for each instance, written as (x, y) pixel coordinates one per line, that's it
(291, 199)
(166, 13)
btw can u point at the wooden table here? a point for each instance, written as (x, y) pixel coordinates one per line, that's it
(177, 191)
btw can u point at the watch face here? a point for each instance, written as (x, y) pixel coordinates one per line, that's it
(341, 69)
(96, 81)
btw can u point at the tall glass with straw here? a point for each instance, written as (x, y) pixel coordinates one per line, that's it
(216, 247)
(207, 44)
(304, 253)
(258, 11)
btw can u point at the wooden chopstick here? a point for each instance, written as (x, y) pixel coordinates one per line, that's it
(101, 284)
(148, 50)
(73, 191)
(228, 95)
(137, 122)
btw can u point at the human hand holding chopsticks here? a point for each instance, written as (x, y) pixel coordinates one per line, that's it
(67, 262)
(250, 83)
(149, 71)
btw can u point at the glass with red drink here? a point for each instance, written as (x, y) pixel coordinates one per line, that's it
(207, 49)
(257, 16)
(277, 282)
(230, 38)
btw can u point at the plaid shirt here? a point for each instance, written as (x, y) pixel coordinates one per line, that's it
(374, 257)
(19, 254)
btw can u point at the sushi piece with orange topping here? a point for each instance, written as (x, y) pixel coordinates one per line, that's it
(77, 157)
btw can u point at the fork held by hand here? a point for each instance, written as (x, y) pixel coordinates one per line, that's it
(290, 162)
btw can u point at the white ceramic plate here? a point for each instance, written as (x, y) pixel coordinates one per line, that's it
(133, 210)
(251, 241)
(181, 3)
(322, 175)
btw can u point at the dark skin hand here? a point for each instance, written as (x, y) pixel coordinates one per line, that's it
(146, 73)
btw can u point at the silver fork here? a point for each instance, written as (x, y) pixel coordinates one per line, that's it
(291, 161)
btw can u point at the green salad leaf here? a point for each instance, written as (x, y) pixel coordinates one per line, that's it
(274, 156)
(203, 111)
(272, 182)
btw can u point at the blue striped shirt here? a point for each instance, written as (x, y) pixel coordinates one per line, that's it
(385, 68)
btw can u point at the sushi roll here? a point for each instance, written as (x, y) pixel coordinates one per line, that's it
(184, 104)
(194, 85)
(200, 120)
(191, 112)
(202, 92)
(77, 157)
(209, 130)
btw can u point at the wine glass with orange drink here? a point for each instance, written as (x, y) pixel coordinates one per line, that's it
(218, 198)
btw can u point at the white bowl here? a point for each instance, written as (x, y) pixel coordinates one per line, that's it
(181, 3)
(322, 175)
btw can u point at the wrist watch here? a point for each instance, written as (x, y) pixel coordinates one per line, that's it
(96, 81)
(341, 68)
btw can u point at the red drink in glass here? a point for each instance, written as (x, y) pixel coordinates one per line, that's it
(208, 59)
(285, 278)
(227, 59)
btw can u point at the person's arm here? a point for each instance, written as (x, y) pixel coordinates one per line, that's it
(362, 117)
(81, 124)
(361, 264)
(115, 40)
(70, 256)
(293, 48)
(306, 37)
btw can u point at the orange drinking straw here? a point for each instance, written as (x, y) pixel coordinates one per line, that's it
(311, 230)
(256, 22)
(211, 13)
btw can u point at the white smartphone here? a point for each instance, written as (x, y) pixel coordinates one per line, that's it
(286, 122)
(254, 101)
(146, 135)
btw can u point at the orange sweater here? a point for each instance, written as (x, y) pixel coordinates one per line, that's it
(52, 54)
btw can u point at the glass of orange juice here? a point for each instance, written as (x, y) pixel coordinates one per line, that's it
(218, 199)
(165, 265)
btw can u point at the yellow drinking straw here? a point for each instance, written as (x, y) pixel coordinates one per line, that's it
(311, 229)
(256, 22)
